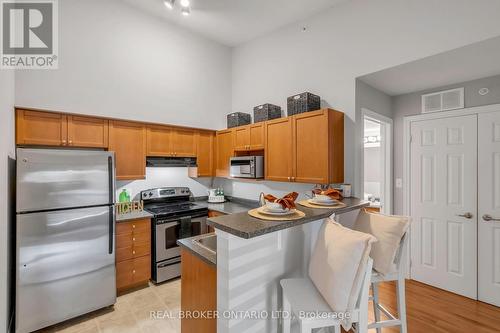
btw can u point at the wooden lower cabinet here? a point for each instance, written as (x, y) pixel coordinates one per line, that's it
(213, 213)
(198, 293)
(133, 253)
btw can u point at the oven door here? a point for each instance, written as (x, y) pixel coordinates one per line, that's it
(242, 167)
(166, 240)
(169, 232)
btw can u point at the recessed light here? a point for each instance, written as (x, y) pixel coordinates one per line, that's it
(185, 3)
(185, 11)
(169, 4)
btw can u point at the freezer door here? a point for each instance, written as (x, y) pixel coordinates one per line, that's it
(64, 265)
(51, 179)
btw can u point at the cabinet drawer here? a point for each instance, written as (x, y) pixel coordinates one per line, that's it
(124, 253)
(132, 272)
(124, 276)
(142, 269)
(134, 225)
(127, 240)
(133, 251)
(141, 249)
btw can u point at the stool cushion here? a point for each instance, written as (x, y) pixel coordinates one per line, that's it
(389, 230)
(337, 265)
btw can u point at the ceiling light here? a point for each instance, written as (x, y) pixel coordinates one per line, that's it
(185, 11)
(185, 3)
(169, 4)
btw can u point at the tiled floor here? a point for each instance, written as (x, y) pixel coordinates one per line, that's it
(132, 313)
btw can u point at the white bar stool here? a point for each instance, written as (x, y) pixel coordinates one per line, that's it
(399, 277)
(301, 296)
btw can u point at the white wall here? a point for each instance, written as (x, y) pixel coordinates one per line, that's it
(165, 177)
(349, 40)
(6, 150)
(119, 62)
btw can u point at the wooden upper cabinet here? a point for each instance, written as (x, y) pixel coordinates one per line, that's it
(183, 142)
(55, 129)
(169, 141)
(87, 132)
(159, 141)
(256, 136)
(249, 137)
(128, 141)
(224, 144)
(41, 128)
(310, 131)
(318, 147)
(205, 153)
(306, 148)
(279, 149)
(241, 138)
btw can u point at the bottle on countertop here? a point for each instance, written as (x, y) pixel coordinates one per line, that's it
(124, 196)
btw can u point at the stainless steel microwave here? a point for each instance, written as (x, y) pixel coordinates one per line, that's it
(247, 167)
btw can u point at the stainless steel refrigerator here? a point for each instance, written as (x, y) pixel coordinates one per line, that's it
(65, 257)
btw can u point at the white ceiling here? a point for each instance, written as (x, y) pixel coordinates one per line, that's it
(467, 63)
(232, 22)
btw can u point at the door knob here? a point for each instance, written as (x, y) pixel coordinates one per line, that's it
(467, 215)
(488, 217)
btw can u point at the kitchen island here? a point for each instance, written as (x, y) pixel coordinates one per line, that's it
(253, 255)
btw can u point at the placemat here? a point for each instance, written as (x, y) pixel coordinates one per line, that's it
(296, 216)
(306, 203)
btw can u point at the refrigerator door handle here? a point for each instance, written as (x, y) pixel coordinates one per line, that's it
(111, 175)
(111, 227)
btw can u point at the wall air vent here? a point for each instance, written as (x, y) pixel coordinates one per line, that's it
(443, 100)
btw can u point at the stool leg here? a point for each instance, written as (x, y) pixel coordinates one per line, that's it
(286, 321)
(376, 310)
(401, 303)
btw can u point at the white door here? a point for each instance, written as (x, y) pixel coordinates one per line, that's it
(489, 208)
(443, 203)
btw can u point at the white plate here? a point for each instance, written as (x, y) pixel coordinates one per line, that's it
(265, 211)
(323, 203)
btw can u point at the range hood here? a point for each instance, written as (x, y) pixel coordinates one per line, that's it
(168, 162)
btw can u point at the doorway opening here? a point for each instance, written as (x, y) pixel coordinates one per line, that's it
(377, 161)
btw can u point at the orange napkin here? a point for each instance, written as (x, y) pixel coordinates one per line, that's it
(332, 193)
(288, 201)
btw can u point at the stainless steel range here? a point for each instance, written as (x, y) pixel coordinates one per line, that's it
(175, 217)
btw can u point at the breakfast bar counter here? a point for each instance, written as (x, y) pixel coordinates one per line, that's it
(246, 226)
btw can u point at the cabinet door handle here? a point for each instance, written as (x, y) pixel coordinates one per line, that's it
(133, 239)
(133, 272)
(70, 142)
(133, 226)
(133, 252)
(289, 178)
(488, 217)
(64, 142)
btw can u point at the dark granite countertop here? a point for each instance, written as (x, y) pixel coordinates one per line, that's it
(231, 206)
(200, 251)
(133, 216)
(246, 226)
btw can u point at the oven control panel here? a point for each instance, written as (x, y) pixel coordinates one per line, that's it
(165, 192)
